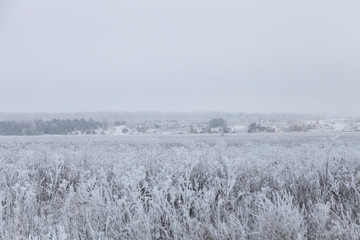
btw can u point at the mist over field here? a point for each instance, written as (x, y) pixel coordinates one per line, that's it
(179, 119)
(239, 56)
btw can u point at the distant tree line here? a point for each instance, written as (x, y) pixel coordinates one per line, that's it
(52, 127)
(218, 123)
(253, 128)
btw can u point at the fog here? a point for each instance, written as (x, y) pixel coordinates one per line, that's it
(239, 56)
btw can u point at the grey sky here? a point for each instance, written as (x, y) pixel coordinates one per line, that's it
(244, 56)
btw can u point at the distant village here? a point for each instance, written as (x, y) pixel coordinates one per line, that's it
(220, 126)
(183, 125)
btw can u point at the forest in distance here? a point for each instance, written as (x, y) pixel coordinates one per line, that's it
(51, 127)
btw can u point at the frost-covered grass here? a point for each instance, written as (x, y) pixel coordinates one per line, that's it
(196, 190)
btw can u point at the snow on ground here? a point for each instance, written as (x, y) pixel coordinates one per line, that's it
(239, 186)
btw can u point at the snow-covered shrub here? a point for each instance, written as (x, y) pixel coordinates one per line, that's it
(277, 218)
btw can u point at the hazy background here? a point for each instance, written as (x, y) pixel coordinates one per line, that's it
(243, 56)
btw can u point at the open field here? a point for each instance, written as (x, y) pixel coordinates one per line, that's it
(240, 186)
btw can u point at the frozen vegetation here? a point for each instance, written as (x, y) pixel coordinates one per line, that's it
(285, 186)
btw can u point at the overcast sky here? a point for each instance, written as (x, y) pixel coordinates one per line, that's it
(243, 56)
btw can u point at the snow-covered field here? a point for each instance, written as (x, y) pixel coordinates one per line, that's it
(241, 186)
